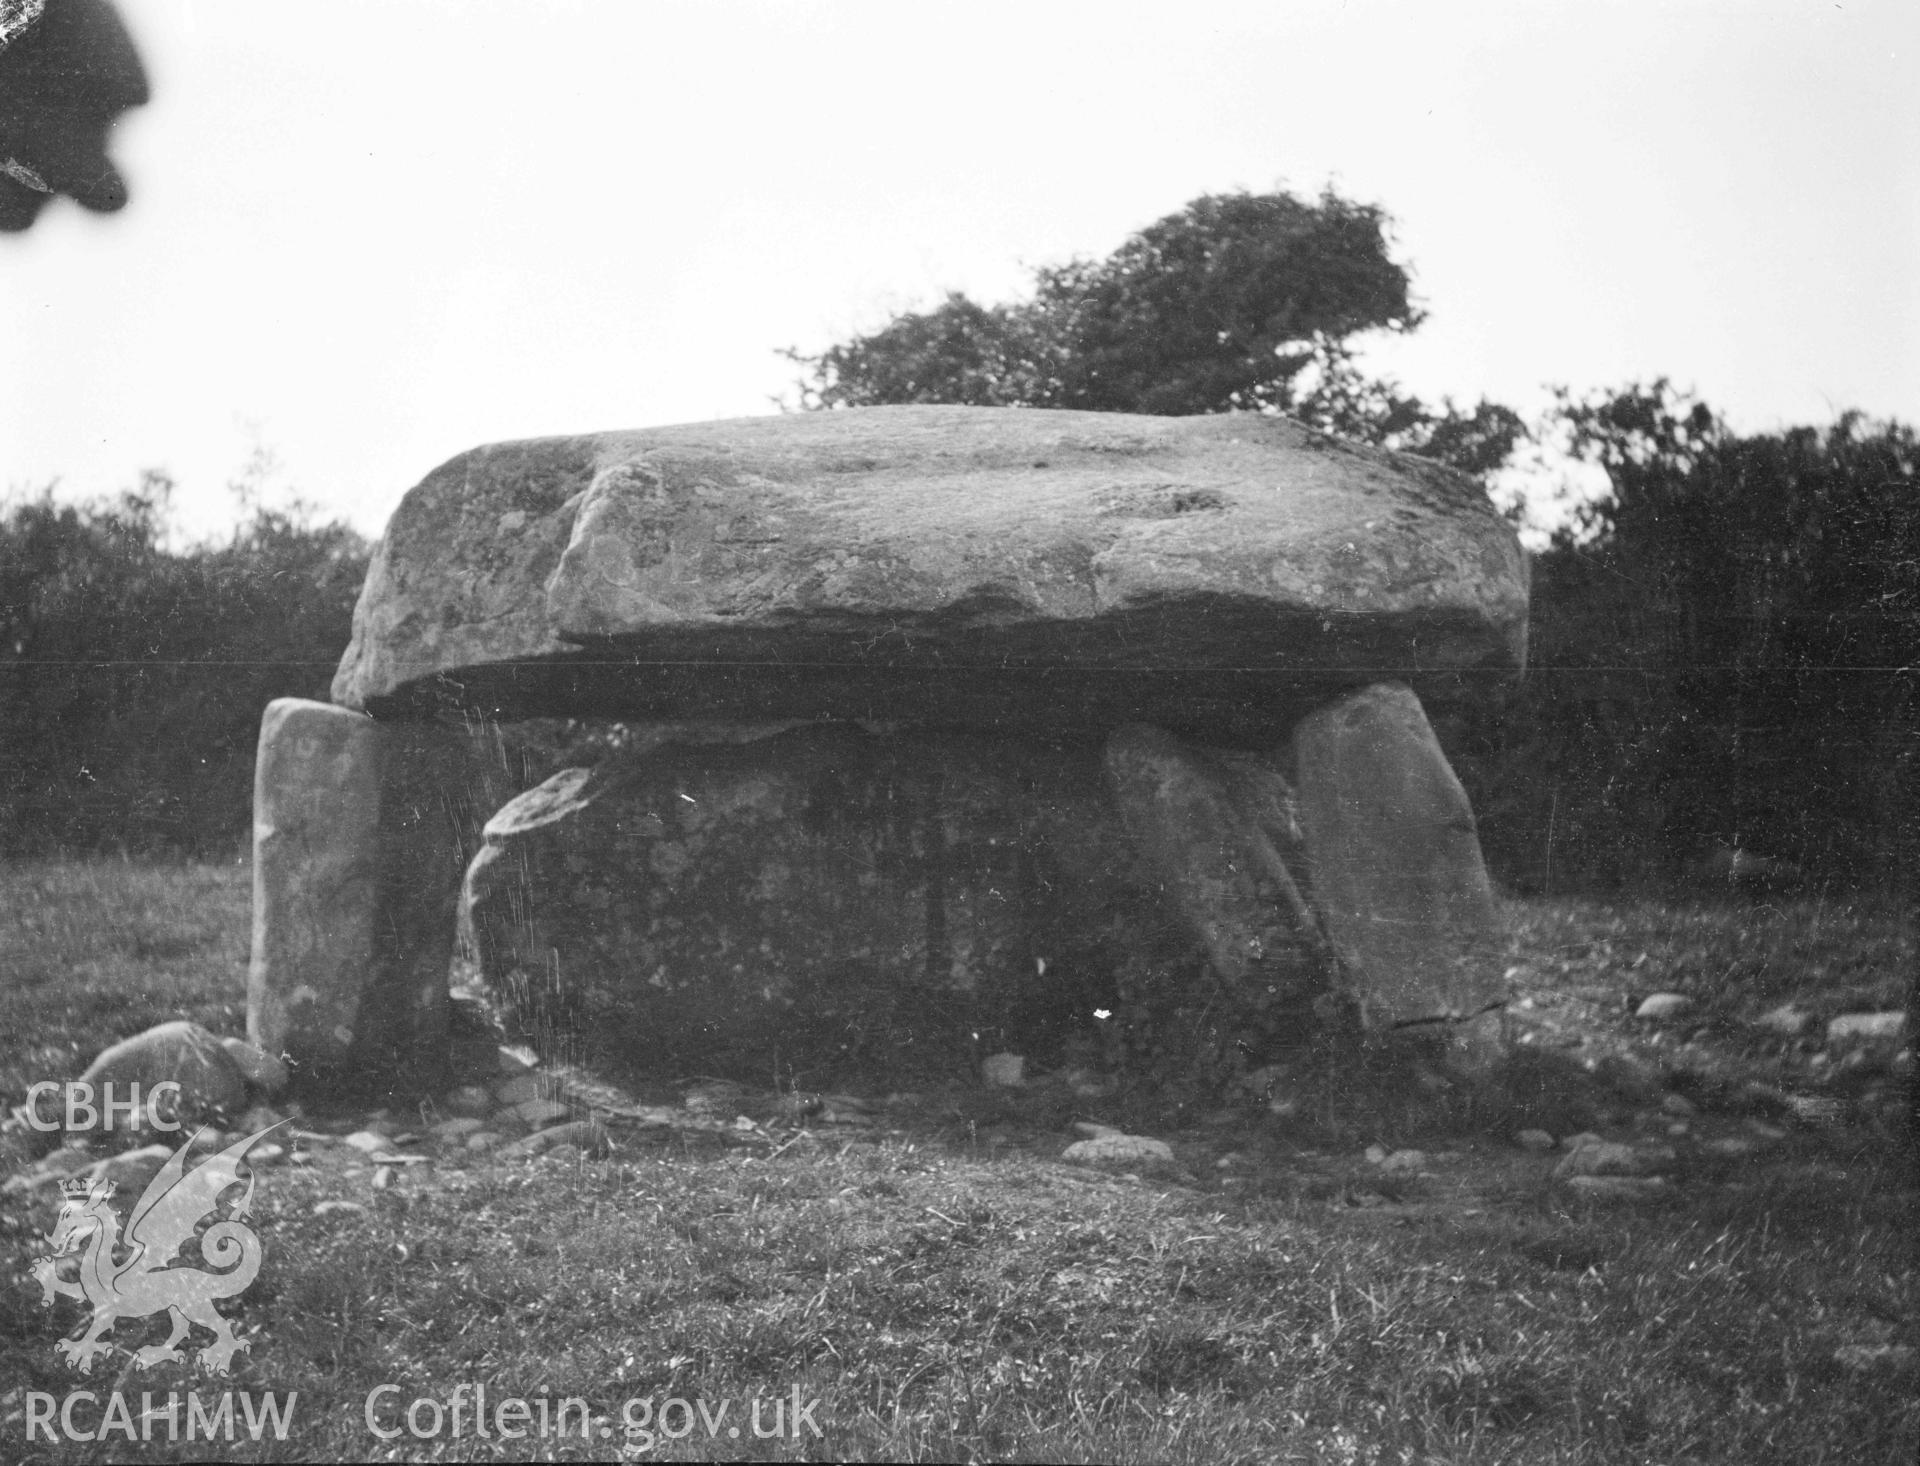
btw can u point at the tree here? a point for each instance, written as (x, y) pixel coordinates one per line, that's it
(1239, 302)
(1724, 648)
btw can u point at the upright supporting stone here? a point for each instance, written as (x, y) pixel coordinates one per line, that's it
(357, 865)
(316, 879)
(1210, 828)
(1395, 864)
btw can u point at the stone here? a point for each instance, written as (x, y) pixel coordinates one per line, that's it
(455, 1129)
(1537, 1141)
(183, 1053)
(1394, 862)
(1787, 1020)
(1121, 1152)
(1611, 1158)
(265, 1072)
(369, 1142)
(316, 870)
(359, 849)
(1215, 831)
(1730, 1147)
(1404, 1163)
(939, 564)
(1854, 1028)
(344, 1210)
(588, 1137)
(869, 901)
(468, 1100)
(1004, 1071)
(265, 1153)
(1678, 1105)
(482, 1140)
(131, 1170)
(1660, 1006)
(538, 1112)
(1617, 1188)
(519, 1088)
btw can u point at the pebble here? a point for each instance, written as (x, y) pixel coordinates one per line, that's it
(482, 1140)
(1663, 1005)
(1867, 1028)
(1765, 1131)
(515, 1061)
(339, 1209)
(1537, 1141)
(1611, 1158)
(519, 1088)
(368, 1142)
(1404, 1162)
(1377, 1154)
(537, 1112)
(467, 1100)
(584, 1136)
(1678, 1104)
(1871, 1356)
(455, 1129)
(131, 1170)
(1093, 1129)
(1788, 1020)
(1120, 1150)
(266, 1072)
(1230, 1161)
(1618, 1188)
(1731, 1146)
(266, 1154)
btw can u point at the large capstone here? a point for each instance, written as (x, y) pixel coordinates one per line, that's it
(1216, 576)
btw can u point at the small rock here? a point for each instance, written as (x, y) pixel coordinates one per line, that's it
(1733, 1147)
(1230, 1161)
(538, 1112)
(510, 1060)
(1617, 1188)
(1679, 1128)
(1788, 1020)
(209, 1140)
(563, 1152)
(1005, 1071)
(132, 1170)
(1404, 1162)
(339, 1209)
(1765, 1131)
(587, 1137)
(1120, 1152)
(482, 1140)
(468, 1100)
(1377, 1154)
(266, 1153)
(1537, 1141)
(1610, 1158)
(519, 1088)
(1678, 1104)
(454, 1129)
(1094, 1130)
(1663, 1005)
(382, 1177)
(264, 1071)
(181, 1052)
(368, 1142)
(1850, 1028)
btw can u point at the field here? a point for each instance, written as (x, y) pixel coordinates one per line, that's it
(945, 1288)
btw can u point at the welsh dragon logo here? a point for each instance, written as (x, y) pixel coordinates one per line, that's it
(147, 1277)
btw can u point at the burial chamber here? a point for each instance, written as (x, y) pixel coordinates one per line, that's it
(938, 720)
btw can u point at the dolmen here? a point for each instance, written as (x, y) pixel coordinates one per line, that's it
(938, 727)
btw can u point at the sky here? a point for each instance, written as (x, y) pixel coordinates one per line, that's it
(366, 235)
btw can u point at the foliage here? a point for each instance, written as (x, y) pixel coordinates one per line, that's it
(1724, 651)
(132, 677)
(1239, 302)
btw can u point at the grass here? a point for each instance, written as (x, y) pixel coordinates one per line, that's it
(948, 1290)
